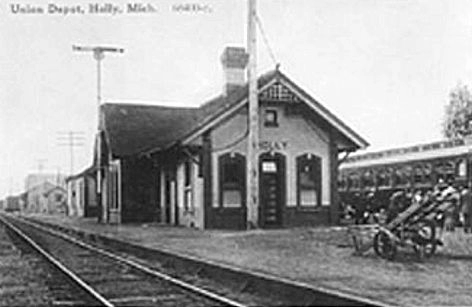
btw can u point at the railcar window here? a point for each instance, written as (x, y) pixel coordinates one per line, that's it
(462, 168)
(418, 175)
(355, 181)
(382, 178)
(427, 174)
(396, 177)
(405, 175)
(445, 171)
(367, 179)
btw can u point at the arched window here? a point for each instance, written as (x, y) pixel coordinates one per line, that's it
(308, 180)
(232, 171)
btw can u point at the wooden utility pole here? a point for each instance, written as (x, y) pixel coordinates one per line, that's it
(99, 55)
(252, 167)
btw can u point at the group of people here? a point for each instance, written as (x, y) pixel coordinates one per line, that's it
(455, 207)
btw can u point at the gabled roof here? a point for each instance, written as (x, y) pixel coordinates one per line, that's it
(88, 171)
(224, 106)
(139, 129)
(332, 119)
(214, 109)
(43, 186)
(133, 129)
(46, 194)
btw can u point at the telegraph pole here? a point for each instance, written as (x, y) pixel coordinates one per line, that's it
(71, 139)
(99, 55)
(252, 167)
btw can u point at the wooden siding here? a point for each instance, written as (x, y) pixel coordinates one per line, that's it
(295, 216)
(140, 190)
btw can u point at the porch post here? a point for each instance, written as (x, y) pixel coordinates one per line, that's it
(334, 197)
(207, 180)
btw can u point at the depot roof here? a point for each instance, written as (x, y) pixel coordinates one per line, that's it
(138, 129)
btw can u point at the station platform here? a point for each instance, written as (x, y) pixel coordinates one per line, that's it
(318, 256)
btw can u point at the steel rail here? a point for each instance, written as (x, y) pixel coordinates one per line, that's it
(57, 264)
(274, 282)
(175, 281)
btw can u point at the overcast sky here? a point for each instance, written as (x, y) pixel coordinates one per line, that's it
(384, 67)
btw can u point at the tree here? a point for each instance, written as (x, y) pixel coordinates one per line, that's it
(457, 121)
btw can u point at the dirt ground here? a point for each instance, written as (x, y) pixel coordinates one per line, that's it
(319, 256)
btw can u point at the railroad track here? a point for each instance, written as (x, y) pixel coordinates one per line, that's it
(110, 279)
(252, 288)
(27, 280)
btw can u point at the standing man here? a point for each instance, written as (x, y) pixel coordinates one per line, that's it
(396, 205)
(466, 209)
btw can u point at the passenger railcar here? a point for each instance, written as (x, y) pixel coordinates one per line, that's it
(413, 168)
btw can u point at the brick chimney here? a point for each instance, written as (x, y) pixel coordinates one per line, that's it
(234, 60)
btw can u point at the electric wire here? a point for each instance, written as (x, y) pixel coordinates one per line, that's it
(266, 41)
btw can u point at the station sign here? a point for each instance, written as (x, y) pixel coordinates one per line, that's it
(273, 145)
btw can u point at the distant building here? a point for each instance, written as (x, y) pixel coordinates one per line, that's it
(56, 201)
(81, 194)
(38, 188)
(36, 200)
(33, 180)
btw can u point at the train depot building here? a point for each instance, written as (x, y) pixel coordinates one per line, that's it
(187, 166)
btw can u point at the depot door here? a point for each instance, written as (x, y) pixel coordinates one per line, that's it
(271, 190)
(170, 205)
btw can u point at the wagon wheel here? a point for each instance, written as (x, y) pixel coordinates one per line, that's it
(426, 238)
(384, 246)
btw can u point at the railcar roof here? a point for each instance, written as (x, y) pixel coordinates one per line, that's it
(447, 148)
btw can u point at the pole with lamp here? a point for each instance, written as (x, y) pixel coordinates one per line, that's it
(99, 55)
